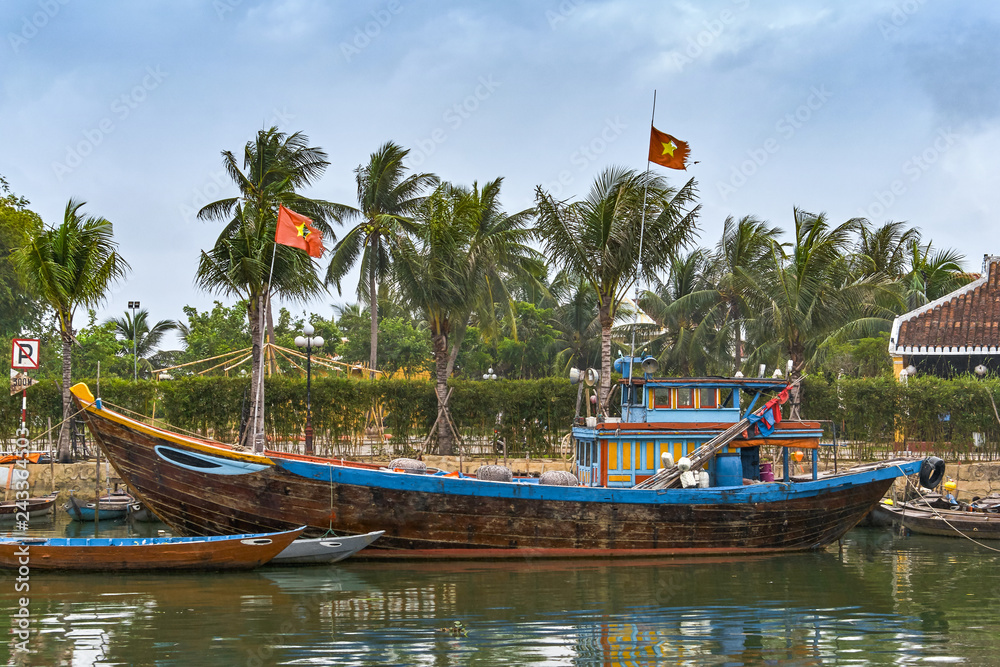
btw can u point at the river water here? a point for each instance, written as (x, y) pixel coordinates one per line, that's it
(876, 599)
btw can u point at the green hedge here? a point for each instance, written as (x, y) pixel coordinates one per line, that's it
(880, 415)
(530, 415)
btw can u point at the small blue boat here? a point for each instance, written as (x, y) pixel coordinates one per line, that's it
(106, 508)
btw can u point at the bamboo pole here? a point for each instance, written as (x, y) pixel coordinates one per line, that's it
(52, 465)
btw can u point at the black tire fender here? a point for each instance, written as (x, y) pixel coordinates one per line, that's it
(931, 472)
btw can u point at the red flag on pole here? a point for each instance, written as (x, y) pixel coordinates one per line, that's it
(666, 150)
(297, 231)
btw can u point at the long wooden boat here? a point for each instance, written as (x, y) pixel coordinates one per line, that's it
(16, 510)
(927, 520)
(106, 508)
(226, 552)
(199, 488)
(324, 549)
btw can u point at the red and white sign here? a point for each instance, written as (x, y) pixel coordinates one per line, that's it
(24, 353)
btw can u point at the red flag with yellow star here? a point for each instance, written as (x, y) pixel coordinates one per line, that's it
(667, 151)
(296, 230)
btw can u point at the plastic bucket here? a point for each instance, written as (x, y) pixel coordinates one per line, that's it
(728, 470)
(766, 476)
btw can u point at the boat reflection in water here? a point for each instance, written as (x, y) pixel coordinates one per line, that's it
(883, 600)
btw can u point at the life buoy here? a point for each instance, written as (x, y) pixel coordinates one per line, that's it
(931, 472)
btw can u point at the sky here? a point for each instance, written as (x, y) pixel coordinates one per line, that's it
(886, 110)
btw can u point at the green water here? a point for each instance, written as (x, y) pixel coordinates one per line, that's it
(877, 600)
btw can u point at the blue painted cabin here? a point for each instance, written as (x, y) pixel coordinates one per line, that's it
(676, 416)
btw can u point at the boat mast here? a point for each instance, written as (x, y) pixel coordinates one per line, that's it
(638, 277)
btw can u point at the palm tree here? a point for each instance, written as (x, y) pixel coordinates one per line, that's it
(464, 249)
(691, 317)
(145, 338)
(386, 203)
(71, 265)
(885, 249)
(578, 331)
(275, 166)
(810, 295)
(598, 238)
(931, 274)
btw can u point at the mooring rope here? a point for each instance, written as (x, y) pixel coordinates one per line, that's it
(154, 422)
(57, 425)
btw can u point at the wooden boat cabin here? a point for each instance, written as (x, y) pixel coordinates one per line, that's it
(676, 416)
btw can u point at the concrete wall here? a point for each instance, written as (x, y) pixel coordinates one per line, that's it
(79, 477)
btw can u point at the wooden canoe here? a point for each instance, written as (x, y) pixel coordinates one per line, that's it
(925, 520)
(200, 489)
(32, 507)
(227, 552)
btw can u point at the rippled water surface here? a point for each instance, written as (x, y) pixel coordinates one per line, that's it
(877, 600)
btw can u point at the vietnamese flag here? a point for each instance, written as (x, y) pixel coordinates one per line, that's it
(667, 151)
(297, 231)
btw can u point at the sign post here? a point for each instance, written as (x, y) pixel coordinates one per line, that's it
(23, 356)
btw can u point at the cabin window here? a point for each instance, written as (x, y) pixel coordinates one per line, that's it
(650, 456)
(627, 455)
(708, 397)
(633, 393)
(661, 397)
(728, 398)
(685, 397)
(613, 456)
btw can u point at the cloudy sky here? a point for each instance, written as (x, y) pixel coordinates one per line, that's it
(882, 109)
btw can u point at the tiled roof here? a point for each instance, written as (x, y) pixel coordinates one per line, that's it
(967, 321)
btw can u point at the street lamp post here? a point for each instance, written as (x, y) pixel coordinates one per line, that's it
(309, 342)
(135, 357)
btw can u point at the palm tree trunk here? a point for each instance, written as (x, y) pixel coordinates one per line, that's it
(446, 438)
(795, 395)
(373, 292)
(255, 431)
(606, 322)
(66, 332)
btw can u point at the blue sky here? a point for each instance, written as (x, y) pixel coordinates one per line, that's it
(886, 110)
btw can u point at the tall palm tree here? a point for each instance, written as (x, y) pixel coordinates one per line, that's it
(71, 265)
(463, 250)
(810, 295)
(137, 331)
(598, 238)
(275, 167)
(387, 200)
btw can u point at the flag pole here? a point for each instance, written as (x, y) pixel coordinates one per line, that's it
(263, 323)
(638, 278)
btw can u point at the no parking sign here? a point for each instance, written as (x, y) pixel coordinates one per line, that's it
(24, 354)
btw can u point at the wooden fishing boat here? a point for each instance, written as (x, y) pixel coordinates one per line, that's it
(324, 549)
(199, 488)
(226, 552)
(109, 507)
(924, 519)
(18, 510)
